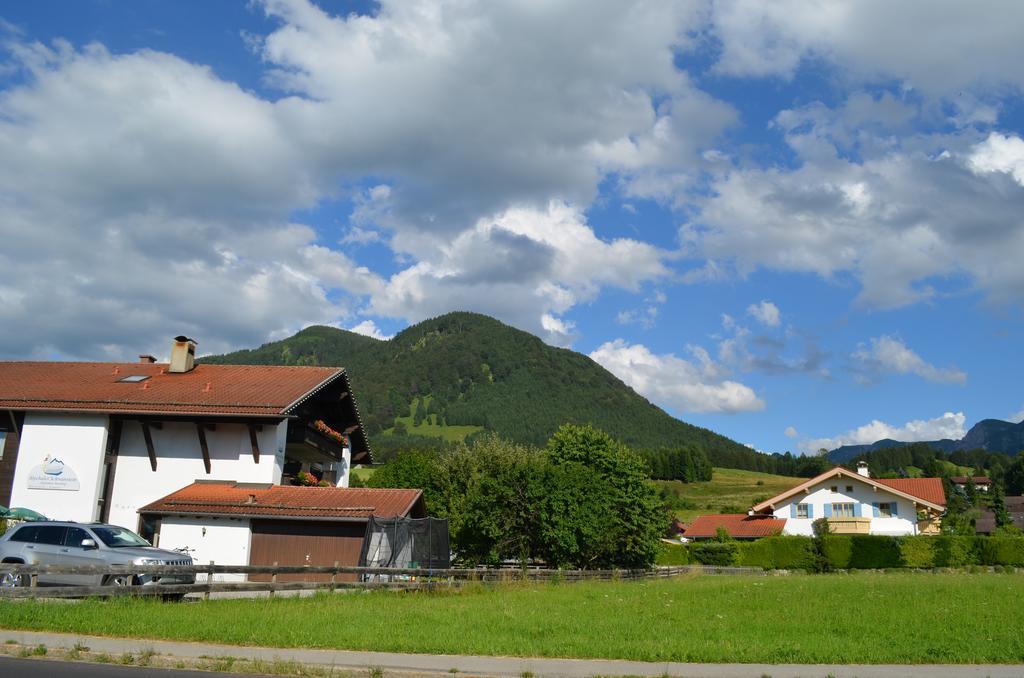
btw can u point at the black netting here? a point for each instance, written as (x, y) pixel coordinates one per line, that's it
(406, 543)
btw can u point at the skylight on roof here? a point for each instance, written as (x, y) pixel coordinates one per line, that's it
(133, 379)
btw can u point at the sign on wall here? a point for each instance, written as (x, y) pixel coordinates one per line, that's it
(52, 474)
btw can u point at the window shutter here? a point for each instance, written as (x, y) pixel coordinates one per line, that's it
(874, 509)
(856, 510)
(892, 507)
(828, 510)
(810, 511)
(792, 510)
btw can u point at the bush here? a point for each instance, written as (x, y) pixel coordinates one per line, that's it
(954, 551)
(779, 553)
(715, 553)
(874, 551)
(917, 551)
(1001, 551)
(673, 555)
(836, 551)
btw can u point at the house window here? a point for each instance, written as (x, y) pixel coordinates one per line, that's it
(842, 510)
(802, 512)
(885, 510)
(849, 488)
(834, 488)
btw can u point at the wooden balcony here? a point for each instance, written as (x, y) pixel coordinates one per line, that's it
(849, 525)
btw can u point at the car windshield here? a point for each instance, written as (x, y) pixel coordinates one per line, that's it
(118, 537)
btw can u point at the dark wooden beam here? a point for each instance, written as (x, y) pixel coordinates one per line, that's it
(351, 428)
(201, 431)
(149, 443)
(14, 422)
(254, 443)
(110, 467)
(344, 394)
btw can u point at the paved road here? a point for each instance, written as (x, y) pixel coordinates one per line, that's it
(513, 667)
(39, 668)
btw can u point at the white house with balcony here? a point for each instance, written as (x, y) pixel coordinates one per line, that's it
(92, 441)
(856, 503)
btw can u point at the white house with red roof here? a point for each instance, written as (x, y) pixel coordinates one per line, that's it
(856, 503)
(97, 441)
(853, 503)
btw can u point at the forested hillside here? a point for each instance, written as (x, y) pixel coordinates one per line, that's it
(465, 369)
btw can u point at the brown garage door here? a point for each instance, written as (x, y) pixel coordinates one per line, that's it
(294, 542)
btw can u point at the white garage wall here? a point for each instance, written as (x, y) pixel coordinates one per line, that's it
(77, 440)
(180, 463)
(225, 541)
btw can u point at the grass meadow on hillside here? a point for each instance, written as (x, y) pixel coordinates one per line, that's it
(430, 426)
(860, 618)
(728, 490)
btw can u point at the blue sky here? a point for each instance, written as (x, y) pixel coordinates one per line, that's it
(799, 225)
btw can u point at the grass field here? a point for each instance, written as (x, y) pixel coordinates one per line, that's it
(430, 427)
(364, 473)
(729, 489)
(863, 618)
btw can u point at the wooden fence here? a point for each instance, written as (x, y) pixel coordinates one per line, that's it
(370, 578)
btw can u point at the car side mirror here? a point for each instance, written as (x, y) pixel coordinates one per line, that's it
(89, 544)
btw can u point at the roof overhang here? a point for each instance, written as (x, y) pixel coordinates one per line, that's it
(839, 471)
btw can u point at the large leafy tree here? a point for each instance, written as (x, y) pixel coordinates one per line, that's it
(636, 520)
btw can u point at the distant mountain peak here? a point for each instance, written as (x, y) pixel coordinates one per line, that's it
(993, 435)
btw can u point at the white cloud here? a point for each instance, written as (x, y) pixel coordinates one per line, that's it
(887, 355)
(791, 432)
(369, 328)
(909, 213)
(144, 197)
(922, 43)
(1016, 417)
(524, 265)
(949, 425)
(765, 312)
(999, 153)
(674, 383)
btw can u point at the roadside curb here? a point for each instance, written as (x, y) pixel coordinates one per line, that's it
(521, 667)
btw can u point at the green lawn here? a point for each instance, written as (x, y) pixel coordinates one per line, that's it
(863, 618)
(430, 427)
(729, 489)
(364, 473)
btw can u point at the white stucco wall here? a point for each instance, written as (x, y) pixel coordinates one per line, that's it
(225, 541)
(904, 523)
(77, 440)
(180, 463)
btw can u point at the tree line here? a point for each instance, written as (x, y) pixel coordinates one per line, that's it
(582, 501)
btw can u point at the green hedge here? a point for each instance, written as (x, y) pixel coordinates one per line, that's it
(779, 553)
(715, 553)
(842, 552)
(673, 555)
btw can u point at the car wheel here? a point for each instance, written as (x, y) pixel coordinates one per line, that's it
(119, 580)
(10, 580)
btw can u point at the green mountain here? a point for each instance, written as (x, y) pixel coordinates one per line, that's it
(463, 372)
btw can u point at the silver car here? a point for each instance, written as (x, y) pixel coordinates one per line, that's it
(78, 544)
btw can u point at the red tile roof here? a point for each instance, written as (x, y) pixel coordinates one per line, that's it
(236, 390)
(928, 489)
(285, 501)
(739, 525)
